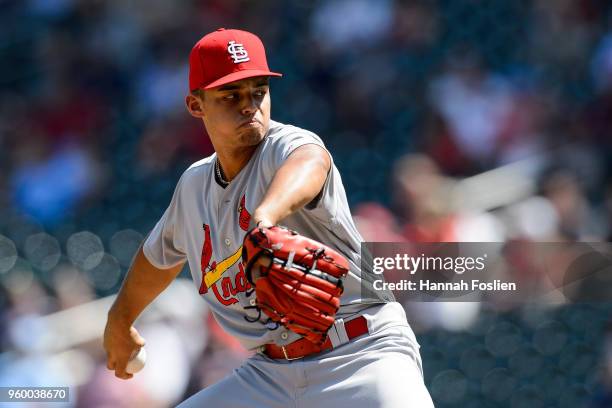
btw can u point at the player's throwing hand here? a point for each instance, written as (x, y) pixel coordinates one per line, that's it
(121, 341)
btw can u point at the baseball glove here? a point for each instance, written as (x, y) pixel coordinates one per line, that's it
(298, 281)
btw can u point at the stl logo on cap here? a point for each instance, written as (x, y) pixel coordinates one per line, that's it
(237, 52)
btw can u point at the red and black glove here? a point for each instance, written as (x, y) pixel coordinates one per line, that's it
(297, 280)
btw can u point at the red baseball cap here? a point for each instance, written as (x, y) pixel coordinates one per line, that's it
(225, 56)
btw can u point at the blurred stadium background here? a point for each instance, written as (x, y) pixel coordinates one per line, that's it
(450, 120)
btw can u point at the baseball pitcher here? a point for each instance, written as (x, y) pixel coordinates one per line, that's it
(265, 227)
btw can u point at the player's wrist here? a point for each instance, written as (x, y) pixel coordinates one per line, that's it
(263, 219)
(263, 224)
(120, 318)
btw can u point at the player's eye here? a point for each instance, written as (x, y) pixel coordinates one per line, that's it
(260, 93)
(229, 97)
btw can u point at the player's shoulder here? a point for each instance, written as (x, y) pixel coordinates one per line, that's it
(282, 132)
(198, 169)
(202, 164)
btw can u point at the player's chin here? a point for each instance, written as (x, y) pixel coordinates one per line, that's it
(252, 135)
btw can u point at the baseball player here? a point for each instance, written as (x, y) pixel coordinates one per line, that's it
(293, 295)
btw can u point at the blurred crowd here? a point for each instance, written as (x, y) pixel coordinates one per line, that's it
(450, 120)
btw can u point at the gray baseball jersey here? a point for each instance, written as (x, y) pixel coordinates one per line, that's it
(205, 225)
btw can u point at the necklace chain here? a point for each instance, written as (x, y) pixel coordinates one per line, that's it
(220, 177)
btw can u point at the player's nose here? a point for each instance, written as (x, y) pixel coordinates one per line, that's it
(249, 106)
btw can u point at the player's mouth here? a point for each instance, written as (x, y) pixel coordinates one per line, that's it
(251, 123)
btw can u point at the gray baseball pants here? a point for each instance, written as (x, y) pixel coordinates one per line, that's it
(382, 369)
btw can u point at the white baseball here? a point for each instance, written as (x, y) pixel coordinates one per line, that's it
(137, 362)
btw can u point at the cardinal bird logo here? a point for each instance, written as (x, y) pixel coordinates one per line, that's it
(245, 216)
(205, 264)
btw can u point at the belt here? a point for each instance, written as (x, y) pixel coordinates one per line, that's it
(302, 348)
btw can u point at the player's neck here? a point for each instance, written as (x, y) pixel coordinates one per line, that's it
(233, 161)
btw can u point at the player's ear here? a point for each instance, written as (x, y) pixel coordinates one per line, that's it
(194, 105)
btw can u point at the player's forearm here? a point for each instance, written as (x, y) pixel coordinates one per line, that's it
(297, 182)
(142, 284)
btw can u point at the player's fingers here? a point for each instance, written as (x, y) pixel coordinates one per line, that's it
(120, 372)
(110, 364)
(123, 375)
(136, 337)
